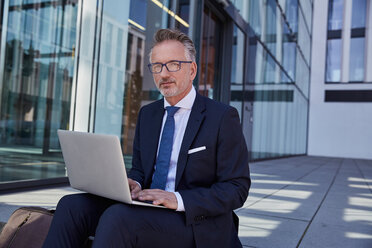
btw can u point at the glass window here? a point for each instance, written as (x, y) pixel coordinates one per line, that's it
(335, 14)
(107, 40)
(184, 12)
(35, 88)
(255, 13)
(307, 12)
(302, 75)
(359, 14)
(333, 62)
(304, 40)
(289, 42)
(252, 60)
(356, 72)
(136, 16)
(279, 122)
(278, 115)
(357, 41)
(119, 49)
(270, 70)
(237, 69)
(110, 86)
(209, 64)
(291, 13)
(251, 12)
(271, 32)
(289, 59)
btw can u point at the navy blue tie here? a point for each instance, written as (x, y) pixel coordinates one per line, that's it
(165, 150)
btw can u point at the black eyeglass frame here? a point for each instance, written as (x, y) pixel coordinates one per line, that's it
(165, 64)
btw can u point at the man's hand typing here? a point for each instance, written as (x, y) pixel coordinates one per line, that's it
(134, 187)
(159, 197)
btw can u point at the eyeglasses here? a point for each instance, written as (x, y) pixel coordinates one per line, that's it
(172, 66)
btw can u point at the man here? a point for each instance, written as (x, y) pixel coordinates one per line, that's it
(189, 155)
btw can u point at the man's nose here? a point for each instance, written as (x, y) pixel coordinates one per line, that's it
(164, 72)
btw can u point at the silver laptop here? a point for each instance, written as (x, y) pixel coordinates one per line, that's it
(95, 165)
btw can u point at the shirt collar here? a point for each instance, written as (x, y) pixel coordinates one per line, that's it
(185, 102)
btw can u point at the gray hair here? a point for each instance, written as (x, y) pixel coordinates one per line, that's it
(173, 34)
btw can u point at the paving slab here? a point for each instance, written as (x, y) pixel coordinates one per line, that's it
(294, 202)
(269, 231)
(309, 202)
(340, 227)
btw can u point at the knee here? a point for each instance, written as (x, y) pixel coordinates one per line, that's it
(69, 201)
(115, 228)
(118, 215)
(73, 203)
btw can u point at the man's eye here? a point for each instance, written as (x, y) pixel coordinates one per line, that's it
(173, 64)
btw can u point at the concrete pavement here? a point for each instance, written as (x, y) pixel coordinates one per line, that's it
(308, 202)
(294, 202)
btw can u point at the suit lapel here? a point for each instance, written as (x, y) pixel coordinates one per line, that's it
(195, 120)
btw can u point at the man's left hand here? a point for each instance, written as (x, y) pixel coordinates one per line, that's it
(159, 197)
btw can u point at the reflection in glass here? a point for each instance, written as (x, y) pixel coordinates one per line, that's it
(280, 110)
(110, 83)
(237, 69)
(255, 12)
(307, 12)
(138, 12)
(333, 66)
(279, 122)
(302, 75)
(37, 77)
(289, 43)
(270, 66)
(184, 12)
(289, 59)
(270, 38)
(304, 39)
(291, 13)
(356, 72)
(133, 93)
(36, 86)
(335, 14)
(359, 14)
(210, 52)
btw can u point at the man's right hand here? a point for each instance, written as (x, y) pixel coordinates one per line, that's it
(134, 188)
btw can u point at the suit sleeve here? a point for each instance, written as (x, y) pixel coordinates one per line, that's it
(232, 183)
(137, 173)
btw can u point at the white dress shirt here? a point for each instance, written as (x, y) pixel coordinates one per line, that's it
(181, 118)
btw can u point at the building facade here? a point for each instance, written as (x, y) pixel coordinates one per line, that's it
(340, 114)
(82, 66)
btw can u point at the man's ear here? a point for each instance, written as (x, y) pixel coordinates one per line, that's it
(193, 70)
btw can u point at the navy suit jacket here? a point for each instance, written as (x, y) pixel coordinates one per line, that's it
(212, 182)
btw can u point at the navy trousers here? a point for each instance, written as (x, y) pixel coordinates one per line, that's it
(114, 224)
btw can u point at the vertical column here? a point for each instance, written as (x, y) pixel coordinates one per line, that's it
(192, 18)
(81, 110)
(346, 32)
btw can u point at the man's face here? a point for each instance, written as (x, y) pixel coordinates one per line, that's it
(173, 85)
